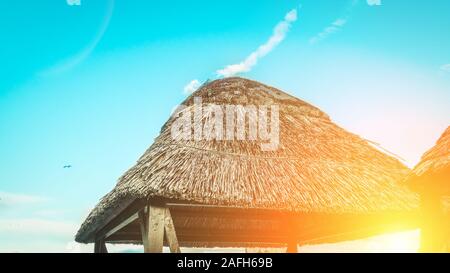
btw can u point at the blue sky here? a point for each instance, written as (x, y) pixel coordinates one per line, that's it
(90, 85)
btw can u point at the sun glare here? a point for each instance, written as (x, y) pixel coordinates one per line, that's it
(399, 242)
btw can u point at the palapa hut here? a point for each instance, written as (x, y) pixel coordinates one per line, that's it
(431, 178)
(320, 184)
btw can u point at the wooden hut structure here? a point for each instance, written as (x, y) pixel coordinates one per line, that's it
(431, 179)
(321, 184)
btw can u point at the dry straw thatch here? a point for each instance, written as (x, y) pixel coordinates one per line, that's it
(431, 178)
(319, 168)
(433, 171)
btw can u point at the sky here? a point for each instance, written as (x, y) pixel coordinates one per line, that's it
(90, 83)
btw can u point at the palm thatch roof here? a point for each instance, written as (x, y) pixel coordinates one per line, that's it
(432, 173)
(431, 178)
(318, 169)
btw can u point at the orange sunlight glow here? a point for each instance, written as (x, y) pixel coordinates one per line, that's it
(398, 242)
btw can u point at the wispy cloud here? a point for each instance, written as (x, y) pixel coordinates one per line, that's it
(74, 247)
(374, 2)
(35, 235)
(49, 213)
(445, 68)
(337, 24)
(279, 33)
(191, 87)
(37, 227)
(11, 199)
(78, 58)
(333, 28)
(73, 2)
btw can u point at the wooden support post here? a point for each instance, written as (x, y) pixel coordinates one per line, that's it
(100, 247)
(104, 249)
(144, 229)
(292, 244)
(434, 231)
(292, 247)
(170, 234)
(156, 225)
(155, 229)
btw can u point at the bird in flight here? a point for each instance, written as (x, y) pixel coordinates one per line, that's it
(67, 166)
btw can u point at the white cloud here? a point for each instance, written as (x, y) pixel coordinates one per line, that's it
(71, 62)
(74, 247)
(445, 67)
(374, 2)
(73, 2)
(291, 16)
(37, 227)
(337, 24)
(35, 235)
(191, 87)
(11, 199)
(279, 33)
(333, 28)
(49, 212)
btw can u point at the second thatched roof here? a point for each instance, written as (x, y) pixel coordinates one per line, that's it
(432, 174)
(318, 168)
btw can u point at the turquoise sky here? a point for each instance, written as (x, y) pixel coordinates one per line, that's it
(90, 85)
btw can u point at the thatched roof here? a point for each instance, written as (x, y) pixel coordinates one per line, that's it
(319, 168)
(433, 171)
